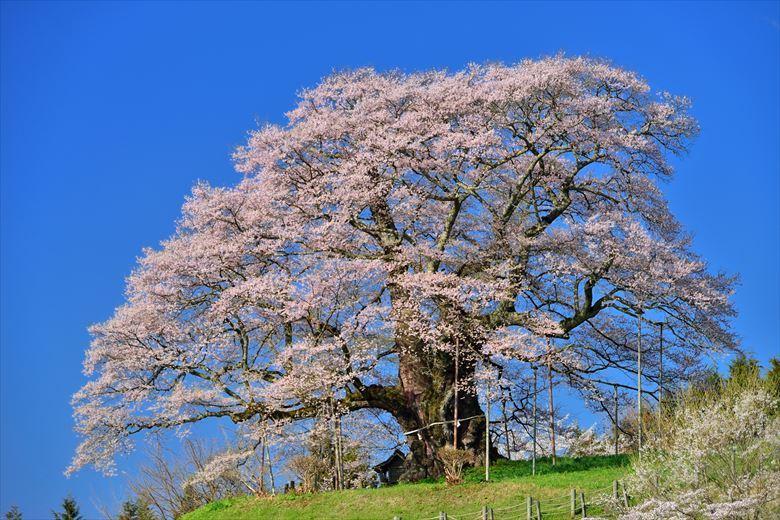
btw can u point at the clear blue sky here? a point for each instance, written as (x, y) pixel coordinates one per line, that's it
(111, 111)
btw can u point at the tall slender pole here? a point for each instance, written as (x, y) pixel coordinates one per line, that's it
(340, 446)
(487, 431)
(336, 441)
(506, 426)
(455, 405)
(550, 398)
(617, 430)
(661, 376)
(271, 472)
(262, 464)
(639, 379)
(533, 460)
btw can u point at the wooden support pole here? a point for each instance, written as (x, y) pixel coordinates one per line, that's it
(617, 422)
(573, 503)
(506, 426)
(661, 378)
(533, 460)
(615, 489)
(550, 399)
(485, 513)
(538, 510)
(341, 454)
(271, 472)
(582, 503)
(487, 431)
(529, 508)
(340, 451)
(639, 379)
(442, 515)
(455, 402)
(625, 496)
(262, 464)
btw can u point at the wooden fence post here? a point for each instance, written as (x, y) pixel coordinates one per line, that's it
(529, 507)
(615, 489)
(397, 518)
(573, 504)
(538, 511)
(485, 513)
(582, 503)
(442, 515)
(625, 496)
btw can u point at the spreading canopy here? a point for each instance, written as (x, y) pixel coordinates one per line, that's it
(393, 217)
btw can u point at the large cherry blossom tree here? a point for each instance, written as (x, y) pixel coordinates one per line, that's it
(395, 219)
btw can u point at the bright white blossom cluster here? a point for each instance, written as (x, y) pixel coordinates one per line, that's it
(720, 460)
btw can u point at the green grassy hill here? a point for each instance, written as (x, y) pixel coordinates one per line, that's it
(511, 483)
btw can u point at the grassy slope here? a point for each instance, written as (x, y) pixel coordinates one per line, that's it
(510, 483)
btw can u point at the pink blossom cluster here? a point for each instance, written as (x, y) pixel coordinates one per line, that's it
(487, 210)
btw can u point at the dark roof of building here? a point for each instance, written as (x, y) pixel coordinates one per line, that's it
(397, 455)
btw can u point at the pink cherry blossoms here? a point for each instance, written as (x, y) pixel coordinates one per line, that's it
(395, 217)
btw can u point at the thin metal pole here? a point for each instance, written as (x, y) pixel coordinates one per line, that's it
(341, 450)
(262, 463)
(550, 398)
(334, 442)
(455, 406)
(271, 472)
(617, 429)
(661, 377)
(487, 431)
(533, 461)
(639, 379)
(506, 426)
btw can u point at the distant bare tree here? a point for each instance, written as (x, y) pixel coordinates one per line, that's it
(165, 484)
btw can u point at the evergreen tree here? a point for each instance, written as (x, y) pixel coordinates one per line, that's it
(129, 511)
(773, 377)
(136, 510)
(13, 514)
(70, 510)
(744, 370)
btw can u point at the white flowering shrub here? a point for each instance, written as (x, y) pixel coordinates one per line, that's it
(590, 443)
(718, 458)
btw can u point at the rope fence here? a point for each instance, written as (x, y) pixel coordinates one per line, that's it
(576, 505)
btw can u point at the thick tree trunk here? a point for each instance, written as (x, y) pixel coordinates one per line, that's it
(427, 381)
(427, 378)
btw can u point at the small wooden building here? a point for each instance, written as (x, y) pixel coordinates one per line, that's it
(390, 470)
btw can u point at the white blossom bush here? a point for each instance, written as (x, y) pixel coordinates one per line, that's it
(590, 443)
(718, 459)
